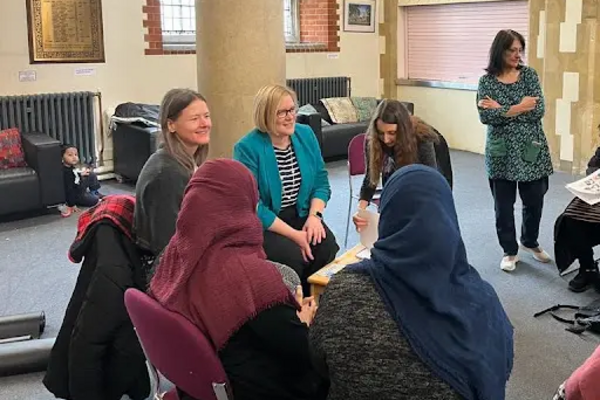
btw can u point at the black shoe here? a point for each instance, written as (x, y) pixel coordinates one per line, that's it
(584, 280)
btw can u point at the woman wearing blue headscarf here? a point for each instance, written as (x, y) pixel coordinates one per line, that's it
(416, 321)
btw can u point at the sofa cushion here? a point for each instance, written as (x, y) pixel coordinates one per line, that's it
(11, 149)
(341, 110)
(365, 107)
(308, 109)
(16, 173)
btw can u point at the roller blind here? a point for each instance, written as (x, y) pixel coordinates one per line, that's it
(451, 42)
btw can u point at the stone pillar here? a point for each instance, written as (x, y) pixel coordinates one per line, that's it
(564, 48)
(240, 47)
(388, 59)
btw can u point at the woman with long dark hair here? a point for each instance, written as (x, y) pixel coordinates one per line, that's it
(394, 139)
(511, 103)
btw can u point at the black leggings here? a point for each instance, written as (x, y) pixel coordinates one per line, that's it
(285, 251)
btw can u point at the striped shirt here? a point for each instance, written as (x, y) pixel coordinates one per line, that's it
(582, 211)
(289, 173)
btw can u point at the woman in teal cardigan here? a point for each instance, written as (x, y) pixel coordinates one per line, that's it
(286, 161)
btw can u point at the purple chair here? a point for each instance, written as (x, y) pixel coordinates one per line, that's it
(356, 166)
(177, 348)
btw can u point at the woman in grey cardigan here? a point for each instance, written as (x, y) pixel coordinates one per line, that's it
(416, 321)
(185, 125)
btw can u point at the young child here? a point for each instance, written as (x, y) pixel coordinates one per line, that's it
(81, 184)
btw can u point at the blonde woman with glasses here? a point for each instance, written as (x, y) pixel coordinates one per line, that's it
(286, 161)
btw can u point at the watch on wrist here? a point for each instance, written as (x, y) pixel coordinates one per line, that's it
(318, 214)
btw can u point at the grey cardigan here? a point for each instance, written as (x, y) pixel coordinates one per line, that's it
(159, 193)
(359, 347)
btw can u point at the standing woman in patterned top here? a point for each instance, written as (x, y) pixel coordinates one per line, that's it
(286, 161)
(511, 103)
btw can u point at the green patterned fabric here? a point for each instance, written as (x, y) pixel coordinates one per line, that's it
(516, 147)
(365, 107)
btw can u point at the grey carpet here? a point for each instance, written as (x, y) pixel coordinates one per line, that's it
(35, 274)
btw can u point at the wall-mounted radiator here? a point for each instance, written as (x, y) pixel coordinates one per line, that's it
(67, 117)
(311, 90)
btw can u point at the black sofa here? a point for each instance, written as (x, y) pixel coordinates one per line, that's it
(38, 185)
(133, 144)
(134, 128)
(335, 138)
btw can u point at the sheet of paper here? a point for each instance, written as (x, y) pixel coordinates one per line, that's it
(369, 235)
(364, 254)
(587, 189)
(332, 270)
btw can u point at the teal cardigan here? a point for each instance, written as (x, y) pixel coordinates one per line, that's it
(255, 151)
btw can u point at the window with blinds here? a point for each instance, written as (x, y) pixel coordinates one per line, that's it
(451, 42)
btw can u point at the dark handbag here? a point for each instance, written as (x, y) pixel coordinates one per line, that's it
(586, 318)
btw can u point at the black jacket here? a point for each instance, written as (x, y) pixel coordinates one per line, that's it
(563, 253)
(97, 355)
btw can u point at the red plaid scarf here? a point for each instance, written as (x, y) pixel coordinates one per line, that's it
(118, 209)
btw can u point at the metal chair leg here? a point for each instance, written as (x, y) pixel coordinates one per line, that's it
(348, 221)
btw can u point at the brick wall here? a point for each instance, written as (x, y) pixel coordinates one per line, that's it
(319, 23)
(319, 28)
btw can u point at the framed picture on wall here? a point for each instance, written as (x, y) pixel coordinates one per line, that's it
(359, 16)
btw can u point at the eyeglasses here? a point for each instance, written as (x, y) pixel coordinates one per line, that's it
(515, 50)
(284, 113)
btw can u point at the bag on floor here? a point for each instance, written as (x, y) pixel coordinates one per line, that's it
(586, 318)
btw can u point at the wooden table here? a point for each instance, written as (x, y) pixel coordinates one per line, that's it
(319, 280)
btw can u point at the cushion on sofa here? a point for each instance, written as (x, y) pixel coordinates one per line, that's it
(340, 109)
(365, 107)
(308, 109)
(11, 149)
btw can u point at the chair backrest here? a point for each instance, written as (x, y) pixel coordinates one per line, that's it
(356, 155)
(177, 348)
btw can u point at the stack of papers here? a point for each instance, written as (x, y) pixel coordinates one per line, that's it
(587, 189)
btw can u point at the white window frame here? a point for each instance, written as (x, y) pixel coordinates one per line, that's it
(187, 39)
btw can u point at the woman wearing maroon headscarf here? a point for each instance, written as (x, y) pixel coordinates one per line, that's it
(215, 273)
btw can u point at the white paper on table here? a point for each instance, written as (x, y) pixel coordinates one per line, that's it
(369, 235)
(364, 254)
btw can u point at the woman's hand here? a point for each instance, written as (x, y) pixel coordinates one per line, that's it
(488, 103)
(528, 103)
(359, 222)
(301, 239)
(308, 311)
(314, 229)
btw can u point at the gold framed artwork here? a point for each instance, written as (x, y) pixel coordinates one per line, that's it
(65, 31)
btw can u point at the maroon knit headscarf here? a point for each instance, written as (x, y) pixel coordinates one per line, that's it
(214, 270)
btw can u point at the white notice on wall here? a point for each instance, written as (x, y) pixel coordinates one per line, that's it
(27, 76)
(333, 56)
(85, 71)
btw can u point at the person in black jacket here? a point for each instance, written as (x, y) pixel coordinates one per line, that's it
(576, 233)
(81, 183)
(97, 355)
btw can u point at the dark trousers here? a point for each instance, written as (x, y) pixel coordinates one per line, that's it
(88, 184)
(581, 238)
(285, 251)
(532, 196)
